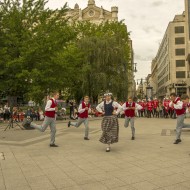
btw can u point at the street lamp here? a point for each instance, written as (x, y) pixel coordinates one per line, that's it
(149, 89)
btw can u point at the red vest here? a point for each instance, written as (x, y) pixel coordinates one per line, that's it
(149, 105)
(144, 105)
(179, 111)
(51, 113)
(85, 113)
(155, 102)
(166, 104)
(130, 112)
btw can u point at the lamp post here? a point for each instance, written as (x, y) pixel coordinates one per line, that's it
(141, 89)
(149, 89)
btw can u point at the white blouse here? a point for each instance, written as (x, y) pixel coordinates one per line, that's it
(100, 107)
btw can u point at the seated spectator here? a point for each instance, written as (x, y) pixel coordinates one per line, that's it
(41, 114)
(21, 115)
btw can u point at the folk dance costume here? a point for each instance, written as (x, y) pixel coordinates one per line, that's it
(166, 103)
(180, 112)
(155, 105)
(129, 108)
(82, 118)
(48, 121)
(143, 110)
(110, 125)
(149, 108)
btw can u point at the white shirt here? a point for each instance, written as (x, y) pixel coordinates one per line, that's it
(6, 108)
(80, 110)
(137, 107)
(48, 105)
(100, 107)
(178, 105)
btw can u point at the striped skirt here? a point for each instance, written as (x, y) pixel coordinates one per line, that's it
(110, 130)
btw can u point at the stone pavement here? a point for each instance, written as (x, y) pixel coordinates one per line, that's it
(151, 162)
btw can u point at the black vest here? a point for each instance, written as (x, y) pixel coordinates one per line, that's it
(108, 108)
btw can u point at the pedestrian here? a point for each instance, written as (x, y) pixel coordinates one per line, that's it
(84, 109)
(180, 112)
(50, 110)
(110, 125)
(129, 107)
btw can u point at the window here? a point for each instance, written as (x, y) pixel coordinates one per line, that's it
(180, 40)
(181, 91)
(180, 51)
(179, 29)
(180, 74)
(180, 63)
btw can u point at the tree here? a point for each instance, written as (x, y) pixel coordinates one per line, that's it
(41, 51)
(31, 36)
(106, 62)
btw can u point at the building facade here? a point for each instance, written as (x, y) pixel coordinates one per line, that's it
(93, 13)
(170, 67)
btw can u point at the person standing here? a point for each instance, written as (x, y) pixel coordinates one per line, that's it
(139, 111)
(83, 110)
(149, 108)
(129, 107)
(166, 103)
(7, 112)
(180, 112)
(155, 105)
(50, 110)
(109, 125)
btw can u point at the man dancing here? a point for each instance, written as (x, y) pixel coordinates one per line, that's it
(50, 109)
(129, 107)
(180, 111)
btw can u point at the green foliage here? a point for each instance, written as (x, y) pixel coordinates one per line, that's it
(30, 36)
(106, 57)
(41, 51)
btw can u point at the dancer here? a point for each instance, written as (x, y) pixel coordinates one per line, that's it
(186, 106)
(129, 108)
(50, 109)
(110, 125)
(83, 110)
(180, 111)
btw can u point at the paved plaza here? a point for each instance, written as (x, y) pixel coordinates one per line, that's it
(150, 162)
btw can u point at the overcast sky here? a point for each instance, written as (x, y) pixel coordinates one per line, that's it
(146, 19)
